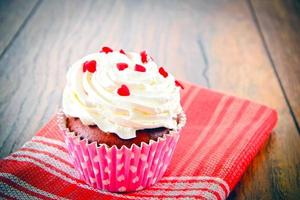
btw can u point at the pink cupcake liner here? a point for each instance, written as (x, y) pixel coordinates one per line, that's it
(120, 170)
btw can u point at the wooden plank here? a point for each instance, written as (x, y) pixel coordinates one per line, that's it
(239, 64)
(13, 15)
(279, 23)
(211, 43)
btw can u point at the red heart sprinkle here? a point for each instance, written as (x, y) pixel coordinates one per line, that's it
(139, 68)
(122, 66)
(84, 67)
(90, 66)
(106, 50)
(163, 72)
(178, 84)
(143, 57)
(122, 51)
(123, 91)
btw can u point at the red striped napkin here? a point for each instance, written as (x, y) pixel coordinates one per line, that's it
(222, 135)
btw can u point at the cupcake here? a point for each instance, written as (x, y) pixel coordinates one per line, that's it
(121, 119)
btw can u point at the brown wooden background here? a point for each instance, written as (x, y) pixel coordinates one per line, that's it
(249, 48)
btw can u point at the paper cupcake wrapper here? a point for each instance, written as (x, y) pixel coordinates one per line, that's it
(120, 170)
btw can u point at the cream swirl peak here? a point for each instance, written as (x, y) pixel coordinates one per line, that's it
(121, 93)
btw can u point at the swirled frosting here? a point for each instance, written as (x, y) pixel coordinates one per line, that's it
(154, 100)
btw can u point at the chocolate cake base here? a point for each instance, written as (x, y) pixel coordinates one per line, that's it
(93, 133)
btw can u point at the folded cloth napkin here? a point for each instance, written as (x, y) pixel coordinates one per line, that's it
(222, 135)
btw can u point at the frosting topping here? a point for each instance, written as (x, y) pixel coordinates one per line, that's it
(121, 93)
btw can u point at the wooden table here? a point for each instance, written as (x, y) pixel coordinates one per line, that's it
(249, 48)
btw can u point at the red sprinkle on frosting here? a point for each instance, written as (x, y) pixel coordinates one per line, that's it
(90, 66)
(122, 66)
(123, 90)
(143, 57)
(84, 67)
(162, 71)
(122, 51)
(139, 68)
(178, 84)
(106, 50)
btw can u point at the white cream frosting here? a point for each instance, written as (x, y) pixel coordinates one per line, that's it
(154, 101)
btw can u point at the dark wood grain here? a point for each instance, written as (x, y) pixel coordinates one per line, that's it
(279, 23)
(238, 64)
(13, 15)
(213, 43)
